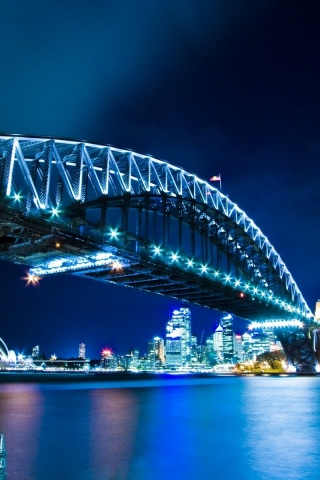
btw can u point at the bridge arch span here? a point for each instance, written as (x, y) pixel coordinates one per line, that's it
(69, 206)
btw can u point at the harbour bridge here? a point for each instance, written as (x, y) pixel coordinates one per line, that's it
(117, 216)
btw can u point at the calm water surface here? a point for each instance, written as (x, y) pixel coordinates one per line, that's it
(248, 428)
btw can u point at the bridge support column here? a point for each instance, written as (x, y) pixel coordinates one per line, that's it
(298, 347)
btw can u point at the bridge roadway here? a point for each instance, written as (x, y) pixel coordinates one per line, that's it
(117, 216)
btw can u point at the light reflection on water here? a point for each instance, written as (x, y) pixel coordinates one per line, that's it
(112, 431)
(225, 428)
(21, 409)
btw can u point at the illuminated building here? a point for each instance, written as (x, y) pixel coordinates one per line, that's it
(237, 347)
(173, 352)
(227, 339)
(218, 344)
(194, 353)
(209, 350)
(275, 344)
(255, 344)
(247, 352)
(7, 357)
(82, 351)
(35, 351)
(108, 360)
(156, 350)
(260, 344)
(178, 338)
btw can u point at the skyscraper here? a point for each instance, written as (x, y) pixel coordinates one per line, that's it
(218, 344)
(178, 338)
(156, 350)
(159, 350)
(227, 338)
(36, 351)
(82, 351)
(237, 348)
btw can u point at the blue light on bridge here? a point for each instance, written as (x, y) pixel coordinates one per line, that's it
(58, 169)
(174, 257)
(74, 264)
(113, 233)
(276, 324)
(157, 250)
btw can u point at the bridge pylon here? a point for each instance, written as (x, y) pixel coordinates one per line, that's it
(299, 347)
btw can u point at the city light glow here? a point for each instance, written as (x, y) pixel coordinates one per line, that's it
(116, 265)
(276, 324)
(106, 352)
(32, 279)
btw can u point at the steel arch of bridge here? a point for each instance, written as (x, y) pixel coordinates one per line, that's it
(58, 200)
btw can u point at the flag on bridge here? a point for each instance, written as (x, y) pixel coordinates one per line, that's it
(216, 178)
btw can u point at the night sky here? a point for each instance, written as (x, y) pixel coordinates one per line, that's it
(213, 86)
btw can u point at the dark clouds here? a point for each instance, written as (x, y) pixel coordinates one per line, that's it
(213, 86)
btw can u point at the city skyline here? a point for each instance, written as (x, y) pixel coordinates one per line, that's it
(178, 350)
(222, 89)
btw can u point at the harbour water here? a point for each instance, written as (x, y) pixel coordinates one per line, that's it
(244, 428)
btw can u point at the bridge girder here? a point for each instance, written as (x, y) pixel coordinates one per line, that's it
(73, 194)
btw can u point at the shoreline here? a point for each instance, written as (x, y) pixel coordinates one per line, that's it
(49, 377)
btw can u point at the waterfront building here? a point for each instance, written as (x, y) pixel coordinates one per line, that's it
(82, 351)
(35, 352)
(218, 344)
(178, 338)
(173, 352)
(275, 344)
(209, 351)
(108, 360)
(193, 349)
(260, 344)
(238, 348)
(156, 351)
(255, 344)
(247, 352)
(134, 362)
(7, 357)
(227, 338)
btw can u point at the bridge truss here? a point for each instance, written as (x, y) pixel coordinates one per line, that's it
(117, 216)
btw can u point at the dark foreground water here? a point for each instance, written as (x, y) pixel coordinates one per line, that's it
(248, 428)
